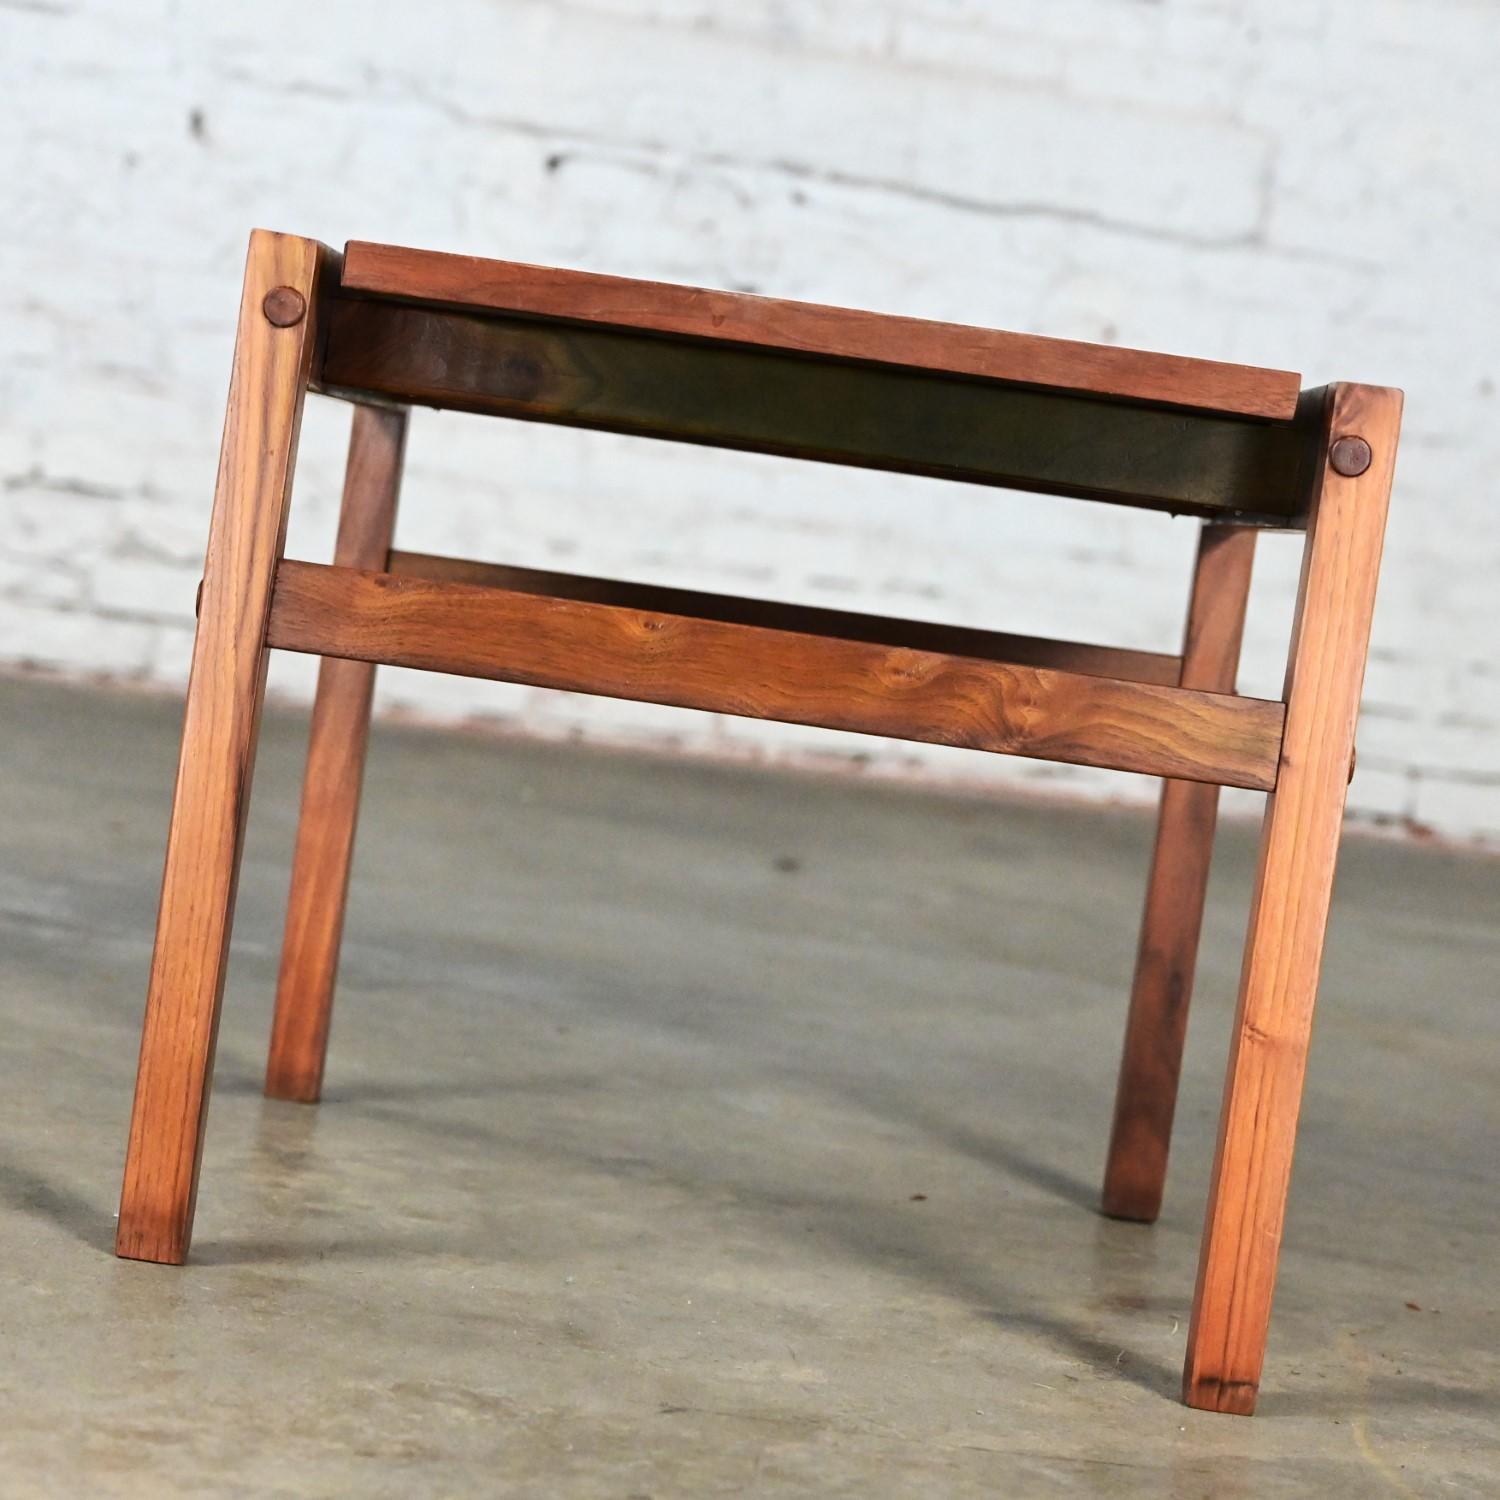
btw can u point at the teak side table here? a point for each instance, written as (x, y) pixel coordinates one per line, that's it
(1240, 448)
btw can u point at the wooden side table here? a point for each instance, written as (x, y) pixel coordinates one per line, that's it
(1240, 448)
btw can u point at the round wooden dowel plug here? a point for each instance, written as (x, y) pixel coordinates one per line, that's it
(284, 306)
(1350, 456)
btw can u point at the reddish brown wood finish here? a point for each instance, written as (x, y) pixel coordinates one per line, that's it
(1076, 419)
(1289, 913)
(812, 329)
(772, 674)
(271, 368)
(953, 640)
(1146, 1097)
(335, 773)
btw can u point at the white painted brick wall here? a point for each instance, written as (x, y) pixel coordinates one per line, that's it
(1303, 183)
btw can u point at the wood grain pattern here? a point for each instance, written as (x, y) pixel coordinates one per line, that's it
(811, 329)
(337, 741)
(1219, 441)
(1151, 1064)
(271, 368)
(763, 401)
(1283, 951)
(772, 674)
(844, 625)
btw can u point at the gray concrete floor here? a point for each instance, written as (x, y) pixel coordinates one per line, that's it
(693, 1131)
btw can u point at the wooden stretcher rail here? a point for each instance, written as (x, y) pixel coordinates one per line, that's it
(834, 624)
(808, 328)
(930, 696)
(869, 416)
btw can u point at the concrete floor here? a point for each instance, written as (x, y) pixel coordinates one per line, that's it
(693, 1131)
